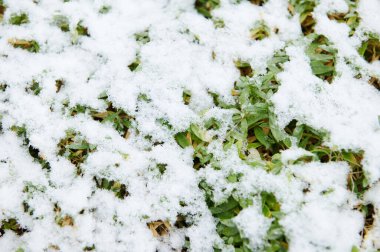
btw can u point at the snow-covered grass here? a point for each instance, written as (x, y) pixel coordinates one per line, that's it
(189, 125)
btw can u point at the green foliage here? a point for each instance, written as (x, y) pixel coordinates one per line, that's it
(322, 57)
(2, 10)
(34, 152)
(218, 23)
(259, 31)
(204, 7)
(305, 8)
(276, 239)
(370, 49)
(223, 213)
(35, 88)
(29, 45)
(142, 38)
(75, 149)
(254, 121)
(186, 97)
(351, 18)
(118, 118)
(19, 19)
(196, 137)
(81, 29)
(244, 67)
(134, 66)
(120, 190)
(12, 225)
(104, 9)
(62, 22)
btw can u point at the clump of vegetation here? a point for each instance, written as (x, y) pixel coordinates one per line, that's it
(204, 7)
(198, 139)
(244, 68)
(19, 19)
(259, 31)
(104, 9)
(81, 29)
(305, 8)
(370, 49)
(34, 88)
(33, 151)
(120, 190)
(142, 38)
(218, 23)
(159, 228)
(12, 225)
(322, 57)
(119, 119)
(223, 213)
(62, 22)
(75, 148)
(351, 18)
(254, 122)
(134, 66)
(29, 45)
(2, 10)
(276, 239)
(61, 219)
(186, 97)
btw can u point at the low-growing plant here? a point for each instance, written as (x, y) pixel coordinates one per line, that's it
(2, 10)
(19, 19)
(75, 148)
(34, 88)
(62, 22)
(204, 7)
(322, 57)
(351, 18)
(142, 38)
(370, 49)
(61, 219)
(119, 189)
(12, 225)
(34, 152)
(259, 31)
(305, 9)
(29, 45)
(244, 67)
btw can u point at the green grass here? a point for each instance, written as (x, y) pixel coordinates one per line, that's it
(29, 45)
(305, 9)
(120, 190)
(19, 19)
(259, 31)
(322, 56)
(370, 48)
(75, 148)
(205, 7)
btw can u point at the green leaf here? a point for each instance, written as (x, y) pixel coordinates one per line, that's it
(259, 133)
(78, 146)
(182, 139)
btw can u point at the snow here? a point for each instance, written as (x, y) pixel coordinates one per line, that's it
(348, 109)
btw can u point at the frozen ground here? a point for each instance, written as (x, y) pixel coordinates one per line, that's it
(169, 125)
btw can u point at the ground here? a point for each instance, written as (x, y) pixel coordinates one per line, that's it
(189, 125)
